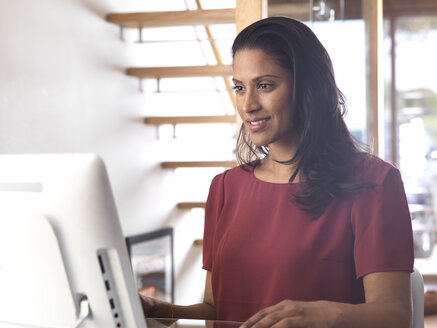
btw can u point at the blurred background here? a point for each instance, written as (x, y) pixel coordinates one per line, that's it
(102, 76)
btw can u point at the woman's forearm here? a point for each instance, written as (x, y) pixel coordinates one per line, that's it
(196, 311)
(155, 308)
(390, 314)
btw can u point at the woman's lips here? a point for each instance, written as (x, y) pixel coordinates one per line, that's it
(257, 124)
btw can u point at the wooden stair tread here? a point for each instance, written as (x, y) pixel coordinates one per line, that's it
(177, 164)
(190, 205)
(198, 242)
(180, 71)
(430, 278)
(173, 18)
(157, 120)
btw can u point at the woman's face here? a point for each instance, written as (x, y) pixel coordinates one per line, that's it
(263, 94)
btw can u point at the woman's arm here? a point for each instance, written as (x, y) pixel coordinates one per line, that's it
(159, 309)
(388, 304)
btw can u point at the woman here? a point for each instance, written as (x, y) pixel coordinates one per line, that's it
(309, 231)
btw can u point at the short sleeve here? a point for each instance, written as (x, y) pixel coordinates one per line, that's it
(382, 226)
(214, 205)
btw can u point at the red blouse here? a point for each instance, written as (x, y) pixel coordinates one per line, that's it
(261, 248)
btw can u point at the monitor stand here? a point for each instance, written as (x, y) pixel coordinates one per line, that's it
(34, 286)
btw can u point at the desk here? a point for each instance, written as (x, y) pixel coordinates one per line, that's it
(430, 281)
(161, 323)
(431, 321)
(190, 323)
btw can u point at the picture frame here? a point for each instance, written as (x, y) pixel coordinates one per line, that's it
(151, 256)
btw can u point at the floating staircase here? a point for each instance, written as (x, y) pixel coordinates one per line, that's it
(198, 242)
(179, 164)
(179, 71)
(191, 205)
(245, 12)
(160, 120)
(173, 18)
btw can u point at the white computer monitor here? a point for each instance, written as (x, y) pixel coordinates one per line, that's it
(63, 259)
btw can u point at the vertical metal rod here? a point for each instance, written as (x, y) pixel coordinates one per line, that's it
(140, 34)
(141, 85)
(122, 33)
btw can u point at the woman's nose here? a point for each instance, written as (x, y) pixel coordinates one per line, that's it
(250, 102)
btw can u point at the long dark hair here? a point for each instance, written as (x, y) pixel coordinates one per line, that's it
(325, 150)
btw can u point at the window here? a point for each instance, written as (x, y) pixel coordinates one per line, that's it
(412, 52)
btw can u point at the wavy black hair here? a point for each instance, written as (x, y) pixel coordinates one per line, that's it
(325, 150)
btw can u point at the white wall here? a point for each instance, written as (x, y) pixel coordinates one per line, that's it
(63, 88)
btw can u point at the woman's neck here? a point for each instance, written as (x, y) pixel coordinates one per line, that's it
(270, 170)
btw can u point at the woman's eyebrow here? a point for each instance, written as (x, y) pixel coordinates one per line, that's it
(259, 77)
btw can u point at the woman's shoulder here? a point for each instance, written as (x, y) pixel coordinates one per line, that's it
(371, 168)
(230, 179)
(243, 171)
(370, 160)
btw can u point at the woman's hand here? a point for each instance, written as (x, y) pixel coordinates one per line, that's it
(155, 308)
(289, 313)
(387, 305)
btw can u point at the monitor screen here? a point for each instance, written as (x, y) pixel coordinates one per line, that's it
(63, 258)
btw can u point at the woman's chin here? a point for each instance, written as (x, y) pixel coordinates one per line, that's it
(259, 144)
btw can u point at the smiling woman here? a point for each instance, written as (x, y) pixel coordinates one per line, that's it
(301, 233)
(307, 130)
(264, 99)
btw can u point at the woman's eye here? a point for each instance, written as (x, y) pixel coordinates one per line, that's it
(237, 88)
(264, 86)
